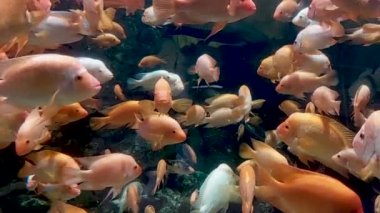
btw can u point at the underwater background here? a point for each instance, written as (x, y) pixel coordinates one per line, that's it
(239, 49)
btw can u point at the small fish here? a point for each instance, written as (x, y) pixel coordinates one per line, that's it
(206, 69)
(106, 40)
(267, 70)
(218, 190)
(130, 198)
(289, 107)
(118, 91)
(350, 160)
(149, 209)
(359, 104)
(194, 116)
(162, 96)
(366, 35)
(247, 183)
(223, 117)
(302, 20)
(67, 114)
(97, 68)
(150, 61)
(325, 100)
(222, 101)
(285, 10)
(179, 167)
(147, 81)
(120, 169)
(187, 153)
(160, 130)
(160, 175)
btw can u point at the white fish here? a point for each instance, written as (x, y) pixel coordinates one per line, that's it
(302, 20)
(217, 191)
(97, 68)
(148, 80)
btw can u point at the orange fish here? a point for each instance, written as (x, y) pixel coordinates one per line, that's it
(119, 92)
(68, 114)
(150, 61)
(194, 116)
(315, 137)
(247, 182)
(149, 209)
(297, 190)
(160, 175)
(289, 106)
(160, 130)
(106, 40)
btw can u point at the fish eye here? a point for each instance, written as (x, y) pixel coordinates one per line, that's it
(135, 167)
(78, 77)
(338, 156)
(77, 110)
(286, 127)
(173, 131)
(301, 16)
(361, 136)
(280, 12)
(27, 141)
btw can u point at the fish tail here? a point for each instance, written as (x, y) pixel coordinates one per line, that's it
(215, 73)
(98, 123)
(246, 152)
(182, 105)
(247, 207)
(132, 83)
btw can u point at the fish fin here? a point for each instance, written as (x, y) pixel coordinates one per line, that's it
(97, 123)
(257, 104)
(110, 12)
(310, 108)
(367, 172)
(336, 106)
(51, 108)
(266, 184)
(246, 152)
(348, 134)
(157, 145)
(87, 161)
(147, 108)
(216, 28)
(261, 145)
(133, 83)
(182, 105)
(359, 119)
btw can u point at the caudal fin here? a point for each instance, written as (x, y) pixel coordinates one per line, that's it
(132, 83)
(182, 105)
(71, 176)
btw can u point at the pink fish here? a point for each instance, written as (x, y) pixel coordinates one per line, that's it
(109, 170)
(325, 100)
(286, 10)
(206, 69)
(366, 142)
(325, 10)
(39, 5)
(359, 104)
(201, 12)
(162, 96)
(52, 79)
(299, 82)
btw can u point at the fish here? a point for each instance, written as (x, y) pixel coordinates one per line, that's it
(318, 36)
(350, 160)
(48, 166)
(315, 137)
(247, 182)
(302, 20)
(106, 40)
(150, 61)
(325, 10)
(48, 79)
(359, 103)
(32, 133)
(289, 107)
(179, 167)
(315, 62)
(120, 169)
(365, 142)
(299, 83)
(325, 100)
(120, 115)
(130, 198)
(160, 175)
(60, 27)
(198, 12)
(58, 192)
(223, 117)
(159, 130)
(264, 154)
(118, 91)
(62, 207)
(222, 101)
(67, 114)
(206, 69)
(17, 21)
(147, 81)
(97, 68)
(186, 152)
(298, 190)
(285, 10)
(217, 190)
(283, 59)
(194, 116)
(149, 209)
(162, 96)
(267, 70)
(366, 35)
